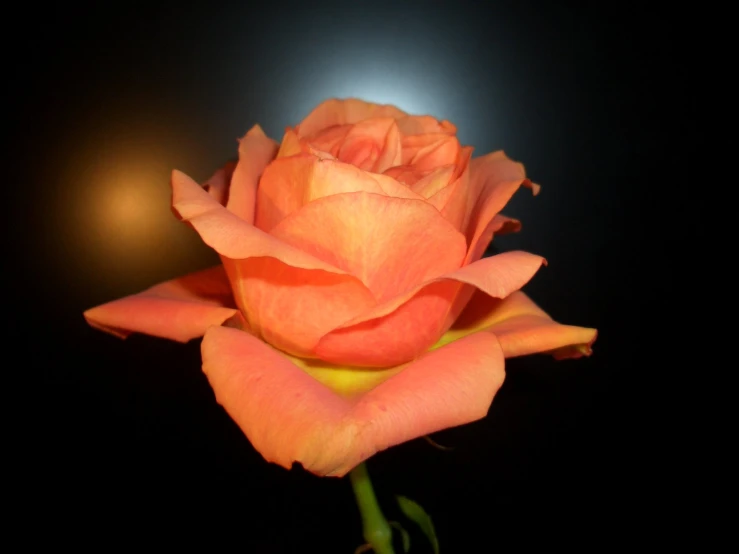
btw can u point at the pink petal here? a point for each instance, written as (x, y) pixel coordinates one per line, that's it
(341, 112)
(522, 328)
(290, 417)
(494, 179)
(384, 241)
(256, 150)
(180, 309)
(402, 328)
(290, 183)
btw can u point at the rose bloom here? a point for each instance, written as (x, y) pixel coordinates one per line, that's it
(352, 310)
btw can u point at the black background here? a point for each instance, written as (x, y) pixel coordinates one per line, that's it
(106, 101)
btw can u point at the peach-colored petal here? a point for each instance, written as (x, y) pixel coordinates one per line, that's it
(219, 183)
(433, 182)
(407, 174)
(283, 291)
(180, 309)
(403, 327)
(292, 308)
(442, 152)
(455, 200)
(329, 140)
(502, 225)
(290, 183)
(256, 150)
(423, 125)
(522, 328)
(430, 151)
(372, 145)
(229, 235)
(361, 153)
(290, 417)
(291, 144)
(384, 241)
(340, 112)
(392, 150)
(494, 178)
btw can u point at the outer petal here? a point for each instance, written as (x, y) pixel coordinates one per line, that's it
(522, 328)
(290, 183)
(494, 179)
(266, 274)
(180, 309)
(443, 301)
(406, 326)
(340, 112)
(502, 225)
(219, 183)
(292, 308)
(229, 235)
(256, 150)
(383, 241)
(290, 417)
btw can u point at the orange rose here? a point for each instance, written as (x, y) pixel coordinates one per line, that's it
(353, 310)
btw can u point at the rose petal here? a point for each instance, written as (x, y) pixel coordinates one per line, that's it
(229, 235)
(290, 417)
(180, 309)
(406, 326)
(218, 184)
(360, 153)
(430, 151)
(502, 225)
(372, 145)
(291, 144)
(494, 178)
(522, 328)
(292, 308)
(290, 183)
(384, 241)
(330, 139)
(423, 125)
(432, 183)
(341, 112)
(407, 174)
(256, 150)
(454, 201)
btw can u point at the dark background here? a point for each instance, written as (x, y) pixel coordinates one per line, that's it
(126, 435)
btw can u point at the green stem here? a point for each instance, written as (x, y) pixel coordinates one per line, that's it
(376, 529)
